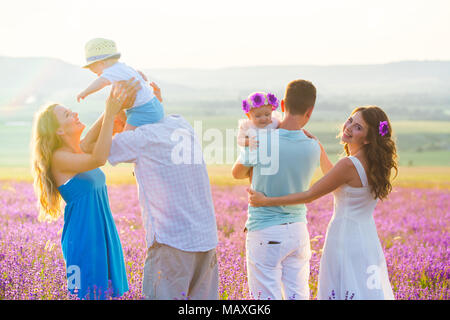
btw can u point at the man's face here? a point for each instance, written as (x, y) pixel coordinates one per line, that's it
(119, 122)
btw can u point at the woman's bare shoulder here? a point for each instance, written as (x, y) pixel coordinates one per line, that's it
(61, 175)
(344, 164)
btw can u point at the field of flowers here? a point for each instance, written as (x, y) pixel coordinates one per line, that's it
(413, 225)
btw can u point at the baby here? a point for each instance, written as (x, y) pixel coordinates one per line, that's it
(103, 59)
(258, 107)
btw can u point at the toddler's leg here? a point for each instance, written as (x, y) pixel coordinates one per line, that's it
(129, 127)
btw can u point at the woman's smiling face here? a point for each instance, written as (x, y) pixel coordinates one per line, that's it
(355, 130)
(68, 121)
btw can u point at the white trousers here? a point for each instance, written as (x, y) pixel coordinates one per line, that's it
(278, 262)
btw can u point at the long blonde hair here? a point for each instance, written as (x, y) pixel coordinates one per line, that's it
(43, 143)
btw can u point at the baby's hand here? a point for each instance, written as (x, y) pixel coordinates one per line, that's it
(81, 96)
(252, 143)
(142, 75)
(156, 91)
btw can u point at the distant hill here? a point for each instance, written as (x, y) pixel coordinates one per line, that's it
(407, 90)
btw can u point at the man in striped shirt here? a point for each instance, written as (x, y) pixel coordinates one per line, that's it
(177, 208)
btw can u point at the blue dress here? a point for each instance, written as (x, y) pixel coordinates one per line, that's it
(90, 243)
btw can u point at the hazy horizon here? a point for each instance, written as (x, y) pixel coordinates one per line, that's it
(202, 34)
(252, 66)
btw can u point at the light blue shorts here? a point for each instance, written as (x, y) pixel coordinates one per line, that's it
(150, 112)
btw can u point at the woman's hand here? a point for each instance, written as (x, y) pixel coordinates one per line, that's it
(122, 96)
(142, 75)
(309, 135)
(325, 163)
(256, 199)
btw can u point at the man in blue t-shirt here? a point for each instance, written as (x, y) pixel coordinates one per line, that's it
(278, 247)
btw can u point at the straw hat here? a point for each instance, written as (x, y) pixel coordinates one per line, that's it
(100, 49)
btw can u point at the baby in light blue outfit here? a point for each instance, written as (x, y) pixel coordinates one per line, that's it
(103, 59)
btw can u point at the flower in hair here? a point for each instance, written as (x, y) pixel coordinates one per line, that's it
(260, 99)
(272, 100)
(383, 128)
(257, 100)
(245, 106)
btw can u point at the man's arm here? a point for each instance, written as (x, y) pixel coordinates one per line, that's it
(88, 142)
(127, 147)
(239, 171)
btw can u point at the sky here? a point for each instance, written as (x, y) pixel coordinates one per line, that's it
(216, 34)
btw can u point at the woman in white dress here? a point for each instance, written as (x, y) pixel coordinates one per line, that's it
(352, 264)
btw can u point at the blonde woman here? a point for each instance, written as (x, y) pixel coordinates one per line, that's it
(62, 170)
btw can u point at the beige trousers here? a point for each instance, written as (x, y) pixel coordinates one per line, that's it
(170, 273)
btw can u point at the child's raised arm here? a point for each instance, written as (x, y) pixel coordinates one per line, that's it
(156, 91)
(88, 142)
(95, 86)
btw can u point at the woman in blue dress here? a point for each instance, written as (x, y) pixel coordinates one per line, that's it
(63, 170)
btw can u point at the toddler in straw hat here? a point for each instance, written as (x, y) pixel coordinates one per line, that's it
(102, 58)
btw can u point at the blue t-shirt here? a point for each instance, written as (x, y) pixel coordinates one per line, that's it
(284, 163)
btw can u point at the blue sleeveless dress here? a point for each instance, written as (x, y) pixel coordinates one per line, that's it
(90, 243)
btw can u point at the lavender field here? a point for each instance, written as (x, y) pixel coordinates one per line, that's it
(413, 225)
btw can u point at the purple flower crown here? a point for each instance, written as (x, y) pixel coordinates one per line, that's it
(383, 129)
(258, 99)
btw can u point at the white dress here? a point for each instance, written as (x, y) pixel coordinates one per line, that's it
(353, 266)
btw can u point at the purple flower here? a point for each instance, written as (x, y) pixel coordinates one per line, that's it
(272, 100)
(411, 225)
(383, 129)
(257, 100)
(245, 106)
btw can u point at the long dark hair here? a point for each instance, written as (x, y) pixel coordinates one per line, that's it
(381, 152)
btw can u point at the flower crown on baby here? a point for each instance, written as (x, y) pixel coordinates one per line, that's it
(259, 99)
